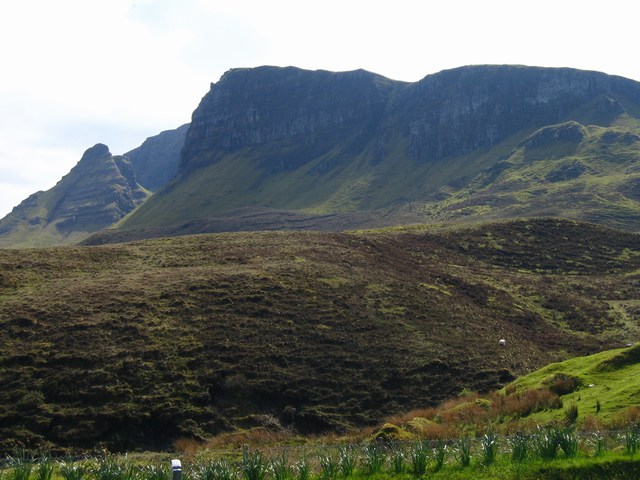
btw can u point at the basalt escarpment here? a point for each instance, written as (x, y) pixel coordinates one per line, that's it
(448, 114)
(320, 143)
(269, 106)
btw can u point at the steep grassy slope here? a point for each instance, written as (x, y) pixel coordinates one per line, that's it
(134, 345)
(593, 393)
(596, 392)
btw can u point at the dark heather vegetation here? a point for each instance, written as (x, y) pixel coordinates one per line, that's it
(138, 345)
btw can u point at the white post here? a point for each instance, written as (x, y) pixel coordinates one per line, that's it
(176, 469)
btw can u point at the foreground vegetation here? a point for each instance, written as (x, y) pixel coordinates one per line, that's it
(554, 453)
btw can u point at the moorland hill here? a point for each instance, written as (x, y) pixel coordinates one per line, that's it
(134, 345)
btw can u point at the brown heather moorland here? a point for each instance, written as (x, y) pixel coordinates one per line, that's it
(132, 346)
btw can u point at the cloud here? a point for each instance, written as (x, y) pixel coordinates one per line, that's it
(212, 40)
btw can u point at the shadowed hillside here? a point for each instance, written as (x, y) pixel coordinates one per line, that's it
(134, 345)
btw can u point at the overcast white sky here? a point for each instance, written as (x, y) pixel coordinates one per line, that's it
(78, 72)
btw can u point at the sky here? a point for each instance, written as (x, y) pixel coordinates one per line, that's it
(74, 73)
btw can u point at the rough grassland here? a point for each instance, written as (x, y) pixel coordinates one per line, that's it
(135, 345)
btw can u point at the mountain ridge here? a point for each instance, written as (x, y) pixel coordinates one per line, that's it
(155, 162)
(260, 144)
(344, 150)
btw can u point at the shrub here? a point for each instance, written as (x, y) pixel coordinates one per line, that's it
(545, 443)
(72, 471)
(21, 465)
(489, 447)
(302, 470)
(568, 442)
(521, 404)
(631, 439)
(348, 457)
(373, 459)
(253, 467)
(220, 470)
(329, 466)
(280, 468)
(396, 460)
(390, 433)
(440, 454)
(44, 470)
(571, 414)
(463, 451)
(187, 446)
(155, 472)
(519, 447)
(599, 444)
(590, 423)
(108, 468)
(419, 456)
(563, 384)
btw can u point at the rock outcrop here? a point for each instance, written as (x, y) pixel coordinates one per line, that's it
(96, 193)
(156, 161)
(448, 114)
(270, 105)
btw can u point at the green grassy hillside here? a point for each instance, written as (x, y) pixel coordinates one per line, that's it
(134, 345)
(593, 393)
(604, 385)
(591, 176)
(567, 170)
(240, 180)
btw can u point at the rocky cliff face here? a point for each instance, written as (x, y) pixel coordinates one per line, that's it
(270, 105)
(448, 114)
(462, 110)
(97, 192)
(359, 150)
(155, 162)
